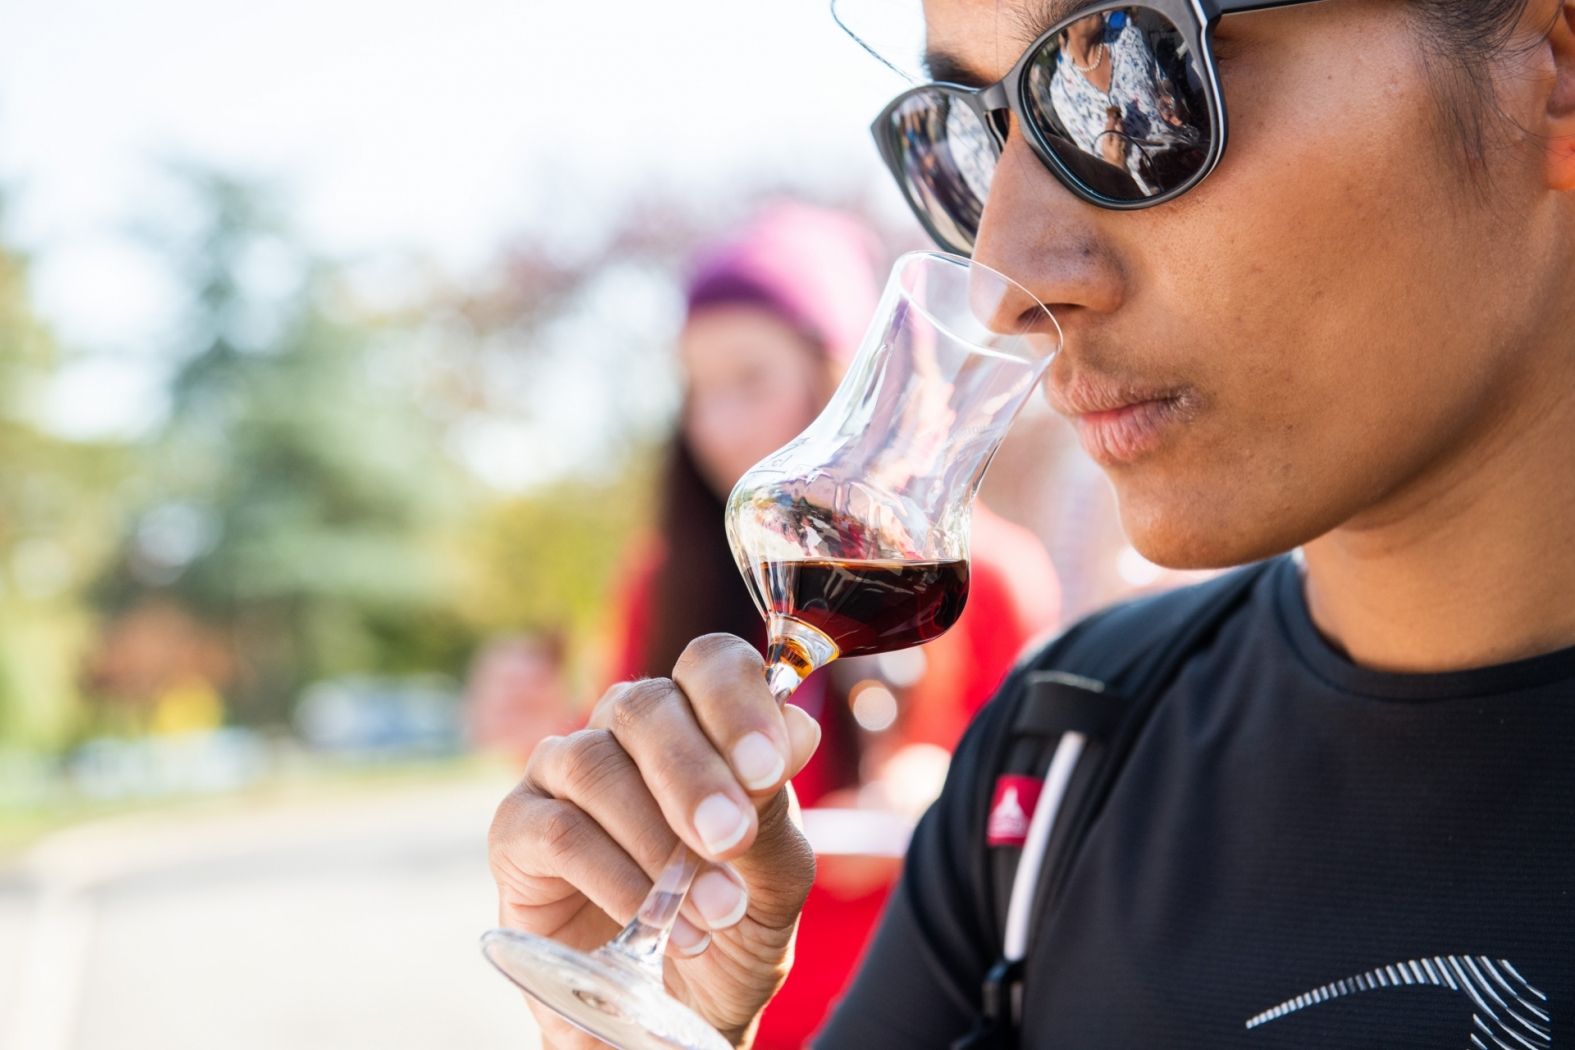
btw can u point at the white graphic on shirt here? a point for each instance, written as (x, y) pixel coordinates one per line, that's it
(1507, 1011)
(1008, 821)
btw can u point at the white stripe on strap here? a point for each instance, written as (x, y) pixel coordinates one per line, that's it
(1037, 843)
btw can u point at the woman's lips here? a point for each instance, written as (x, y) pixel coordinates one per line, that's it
(1125, 435)
(1119, 421)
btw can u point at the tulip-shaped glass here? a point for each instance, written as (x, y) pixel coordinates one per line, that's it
(853, 539)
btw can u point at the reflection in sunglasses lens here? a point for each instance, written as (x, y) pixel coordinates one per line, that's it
(948, 157)
(1118, 98)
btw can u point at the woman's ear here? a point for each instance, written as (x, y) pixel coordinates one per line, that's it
(1560, 136)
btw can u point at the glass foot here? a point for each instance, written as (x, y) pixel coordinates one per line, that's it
(604, 993)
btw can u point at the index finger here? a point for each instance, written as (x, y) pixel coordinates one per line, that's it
(724, 678)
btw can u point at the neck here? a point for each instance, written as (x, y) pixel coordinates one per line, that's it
(1470, 566)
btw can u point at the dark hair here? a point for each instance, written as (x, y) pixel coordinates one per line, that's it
(697, 590)
(1472, 30)
(1463, 41)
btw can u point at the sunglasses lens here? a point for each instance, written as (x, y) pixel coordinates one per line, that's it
(1118, 98)
(945, 158)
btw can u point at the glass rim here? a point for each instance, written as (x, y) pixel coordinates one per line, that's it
(966, 264)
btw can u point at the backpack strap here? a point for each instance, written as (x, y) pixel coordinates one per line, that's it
(1080, 705)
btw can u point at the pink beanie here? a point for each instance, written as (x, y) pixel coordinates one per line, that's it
(812, 266)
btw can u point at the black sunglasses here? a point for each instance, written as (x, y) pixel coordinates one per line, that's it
(1121, 102)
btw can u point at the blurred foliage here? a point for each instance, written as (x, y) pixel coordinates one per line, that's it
(548, 562)
(57, 512)
(292, 502)
(316, 499)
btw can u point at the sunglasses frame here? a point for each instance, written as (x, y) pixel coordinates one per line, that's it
(1193, 19)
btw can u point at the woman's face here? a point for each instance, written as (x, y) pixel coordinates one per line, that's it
(1085, 32)
(753, 384)
(1333, 325)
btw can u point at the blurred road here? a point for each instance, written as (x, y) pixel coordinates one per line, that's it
(343, 921)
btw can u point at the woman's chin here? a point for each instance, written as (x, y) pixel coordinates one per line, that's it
(1198, 535)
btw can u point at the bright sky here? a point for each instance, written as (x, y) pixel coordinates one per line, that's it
(439, 127)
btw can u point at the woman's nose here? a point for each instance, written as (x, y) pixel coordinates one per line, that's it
(1035, 231)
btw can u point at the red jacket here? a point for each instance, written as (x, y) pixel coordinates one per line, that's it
(1012, 597)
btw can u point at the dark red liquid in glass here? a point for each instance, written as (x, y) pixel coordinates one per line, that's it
(868, 606)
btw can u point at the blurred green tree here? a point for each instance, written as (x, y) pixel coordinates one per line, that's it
(57, 513)
(547, 563)
(296, 497)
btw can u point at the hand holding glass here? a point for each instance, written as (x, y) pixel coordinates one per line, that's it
(853, 539)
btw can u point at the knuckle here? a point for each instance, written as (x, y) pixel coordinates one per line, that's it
(508, 839)
(501, 831)
(715, 655)
(541, 759)
(589, 759)
(507, 821)
(632, 706)
(601, 713)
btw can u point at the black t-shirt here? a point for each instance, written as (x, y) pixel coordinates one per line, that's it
(1299, 852)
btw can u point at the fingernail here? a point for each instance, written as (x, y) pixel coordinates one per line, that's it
(688, 938)
(721, 900)
(720, 822)
(803, 732)
(758, 762)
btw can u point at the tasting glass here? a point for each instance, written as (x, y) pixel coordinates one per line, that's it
(853, 539)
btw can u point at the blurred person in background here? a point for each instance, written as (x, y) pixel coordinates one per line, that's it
(516, 693)
(774, 315)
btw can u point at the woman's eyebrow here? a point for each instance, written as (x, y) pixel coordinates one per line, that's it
(1034, 18)
(946, 68)
(1029, 21)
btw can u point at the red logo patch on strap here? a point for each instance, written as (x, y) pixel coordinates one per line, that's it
(1012, 809)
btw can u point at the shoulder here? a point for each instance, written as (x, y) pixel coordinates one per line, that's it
(1143, 635)
(1112, 642)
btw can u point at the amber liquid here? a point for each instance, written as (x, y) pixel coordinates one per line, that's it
(867, 606)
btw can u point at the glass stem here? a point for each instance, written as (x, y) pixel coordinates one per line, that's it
(782, 679)
(643, 941)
